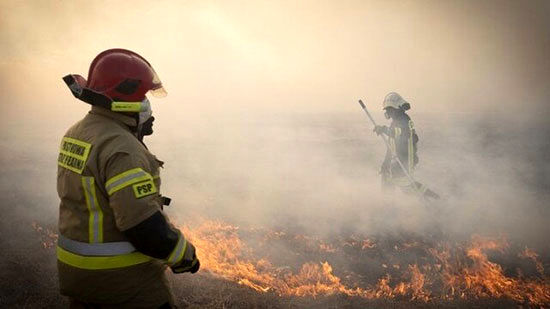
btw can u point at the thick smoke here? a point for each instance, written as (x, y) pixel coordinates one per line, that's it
(320, 172)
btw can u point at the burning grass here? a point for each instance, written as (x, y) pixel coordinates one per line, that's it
(421, 270)
(243, 267)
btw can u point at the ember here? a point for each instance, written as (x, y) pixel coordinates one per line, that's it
(47, 236)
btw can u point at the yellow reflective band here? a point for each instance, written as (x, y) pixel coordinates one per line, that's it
(411, 147)
(397, 132)
(73, 154)
(95, 219)
(125, 179)
(402, 181)
(131, 107)
(179, 250)
(391, 141)
(144, 189)
(101, 262)
(411, 154)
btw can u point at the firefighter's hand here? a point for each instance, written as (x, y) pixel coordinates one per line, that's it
(187, 266)
(380, 129)
(191, 264)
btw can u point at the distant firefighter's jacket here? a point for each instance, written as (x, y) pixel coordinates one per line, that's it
(402, 139)
(109, 183)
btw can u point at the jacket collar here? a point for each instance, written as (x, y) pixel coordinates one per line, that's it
(118, 117)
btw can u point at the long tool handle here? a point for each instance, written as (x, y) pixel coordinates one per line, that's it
(394, 155)
(364, 107)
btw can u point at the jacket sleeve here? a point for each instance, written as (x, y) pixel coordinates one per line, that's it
(136, 205)
(156, 237)
(132, 193)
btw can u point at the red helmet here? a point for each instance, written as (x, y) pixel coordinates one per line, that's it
(123, 76)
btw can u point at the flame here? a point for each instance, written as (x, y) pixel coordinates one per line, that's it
(464, 272)
(223, 254)
(368, 244)
(448, 271)
(483, 278)
(532, 255)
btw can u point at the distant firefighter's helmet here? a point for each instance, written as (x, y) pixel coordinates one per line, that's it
(394, 100)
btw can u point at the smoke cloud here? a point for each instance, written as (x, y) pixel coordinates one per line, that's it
(261, 125)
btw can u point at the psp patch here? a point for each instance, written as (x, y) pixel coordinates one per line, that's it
(73, 154)
(144, 188)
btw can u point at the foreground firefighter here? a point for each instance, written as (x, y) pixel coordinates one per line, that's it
(114, 239)
(402, 140)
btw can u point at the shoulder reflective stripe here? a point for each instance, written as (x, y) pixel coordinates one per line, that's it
(95, 220)
(73, 154)
(98, 249)
(411, 147)
(179, 250)
(101, 262)
(125, 179)
(126, 106)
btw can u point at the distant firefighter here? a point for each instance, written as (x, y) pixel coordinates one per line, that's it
(115, 242)
(402, 139)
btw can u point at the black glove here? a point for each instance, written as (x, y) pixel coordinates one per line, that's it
(191, 265)
(187, 266)
(380, 129)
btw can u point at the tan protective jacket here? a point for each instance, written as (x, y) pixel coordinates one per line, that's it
(108, 182)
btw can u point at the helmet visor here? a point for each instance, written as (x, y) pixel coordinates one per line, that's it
(157, 90)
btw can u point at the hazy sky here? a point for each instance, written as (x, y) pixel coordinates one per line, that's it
(288, 56)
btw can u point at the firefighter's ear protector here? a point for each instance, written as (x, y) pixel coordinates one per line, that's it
(405, 106)
(77, 85)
